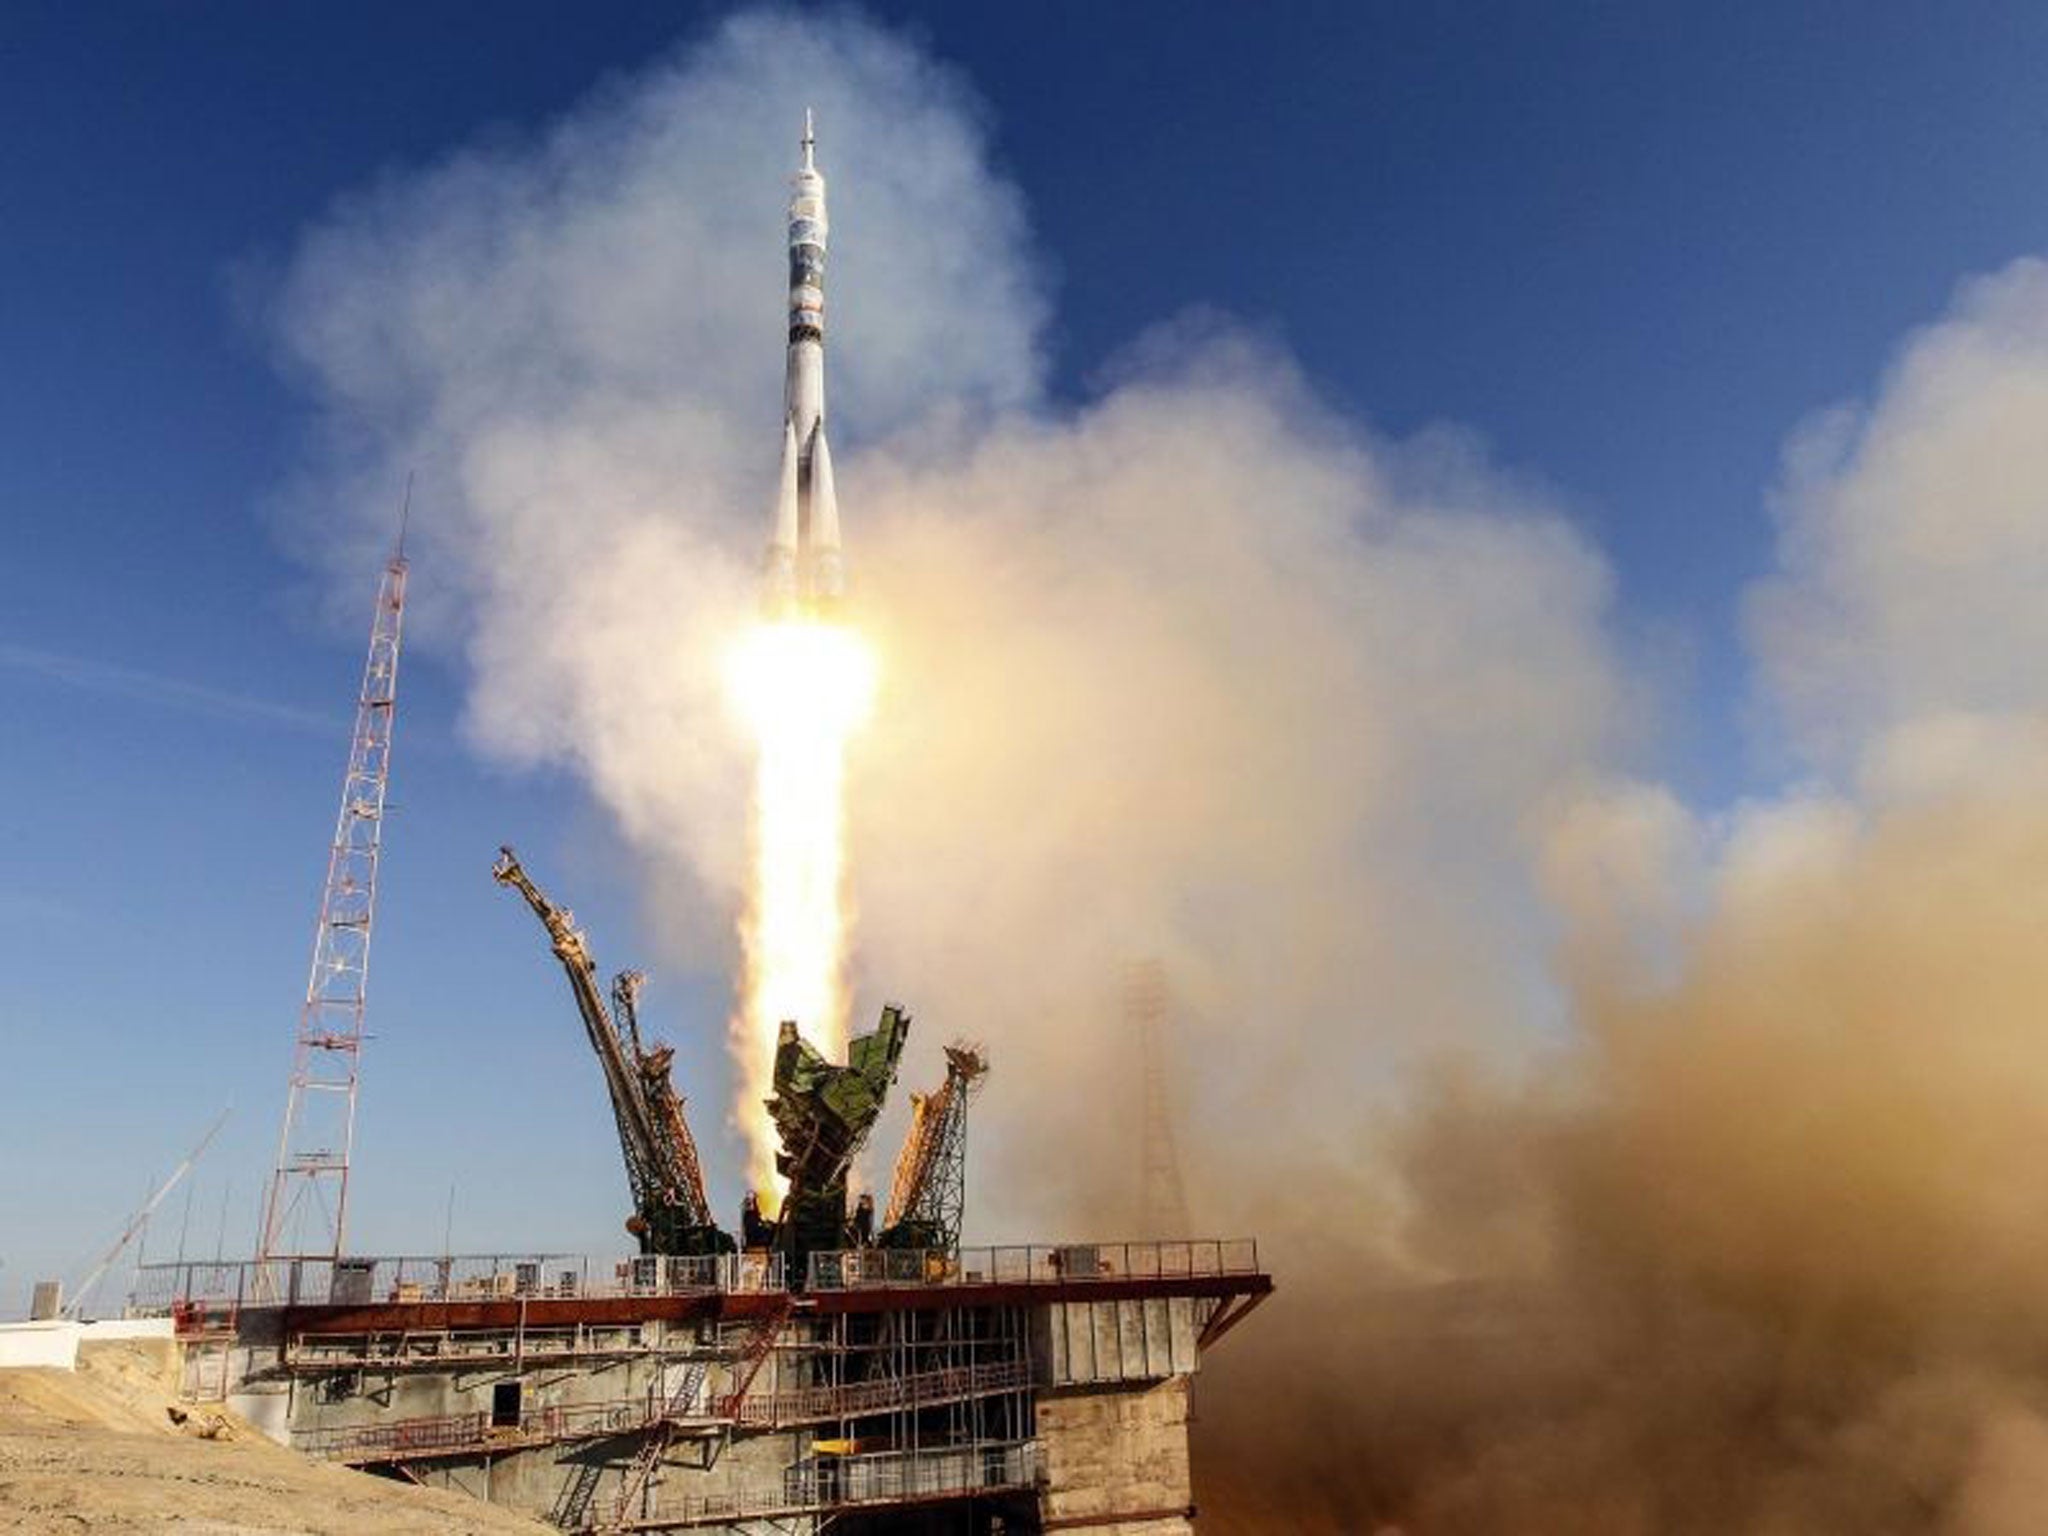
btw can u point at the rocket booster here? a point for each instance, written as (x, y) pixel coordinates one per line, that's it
(804, 573)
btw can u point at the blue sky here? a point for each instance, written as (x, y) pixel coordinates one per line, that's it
(1631, 247)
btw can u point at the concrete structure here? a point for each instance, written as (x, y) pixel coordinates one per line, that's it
(1015, 1389)
(46, 1342)
(53, 1343)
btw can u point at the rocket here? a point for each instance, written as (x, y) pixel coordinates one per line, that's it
(804, 574)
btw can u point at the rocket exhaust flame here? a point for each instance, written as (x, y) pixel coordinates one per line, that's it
(803, 683)
(803, 688)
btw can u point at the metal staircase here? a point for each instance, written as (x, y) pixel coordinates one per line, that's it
(753, 1355)
(572, 1509)
(662, 1430)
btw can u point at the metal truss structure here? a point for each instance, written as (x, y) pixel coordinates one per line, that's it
(306, 1210)
(671, 1213)
(928, 1196)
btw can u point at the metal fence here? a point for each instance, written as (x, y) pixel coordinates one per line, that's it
(456, 1433)
(879, 1478)
(161, 1289)
(850, 1400)
(1033, 1264)
(460, 1433)
(888, 1476)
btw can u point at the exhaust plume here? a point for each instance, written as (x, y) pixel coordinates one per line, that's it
(804, 688)
(1623, 1168)
(1198, 670)
(1759, 1248)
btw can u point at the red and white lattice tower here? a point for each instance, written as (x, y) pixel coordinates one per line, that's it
(303, 1216)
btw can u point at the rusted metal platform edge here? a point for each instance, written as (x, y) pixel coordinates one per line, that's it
(565, 1311)
(906, 1500)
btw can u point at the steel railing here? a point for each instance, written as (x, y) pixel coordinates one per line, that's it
(191, 1288)
(458, 1433)
(880, 1477)
(850, 1400)
(1033, 1264)
(448, 1434)
(161, 1289)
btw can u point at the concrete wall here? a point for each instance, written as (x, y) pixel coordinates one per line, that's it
(1118, 1451)
(1077, 1342)
(50, 1344)
(54, 1344)
(1111, 1407)
(463, 1384)
(532, 1479)
(129, 1328)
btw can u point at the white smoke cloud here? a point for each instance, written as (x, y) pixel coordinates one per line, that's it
(1204, 673)
(1760, 1249)
(576, 338)
(1198, 670)
(1330, 724)
(1914, 535)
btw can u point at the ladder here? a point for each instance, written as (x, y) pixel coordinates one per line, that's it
(753, 1355)
(660, 1430)
(572, 1509)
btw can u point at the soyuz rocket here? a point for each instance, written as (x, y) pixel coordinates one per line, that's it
(804, 574)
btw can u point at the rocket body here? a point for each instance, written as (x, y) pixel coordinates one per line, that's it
(804, 570)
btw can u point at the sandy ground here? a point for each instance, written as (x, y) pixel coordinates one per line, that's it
(97, 1450)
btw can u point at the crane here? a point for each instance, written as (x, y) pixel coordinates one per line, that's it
(928, 1196)
(141, 1218)
(670, 1212)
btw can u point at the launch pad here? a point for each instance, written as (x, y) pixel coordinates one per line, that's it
(1007, 1388)
(813, 1373)
(814, 1366)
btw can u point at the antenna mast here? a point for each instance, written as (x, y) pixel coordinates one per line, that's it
(305, 1212)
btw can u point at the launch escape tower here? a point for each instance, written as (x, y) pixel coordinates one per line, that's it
(300, 1220)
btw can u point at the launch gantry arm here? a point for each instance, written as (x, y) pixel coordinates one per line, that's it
(675, 1148)
(671, 1213)
(628, 1104)
(822, 1115)
(928, 1196)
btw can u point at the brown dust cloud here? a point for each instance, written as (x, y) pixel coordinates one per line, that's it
(1624, 1165)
